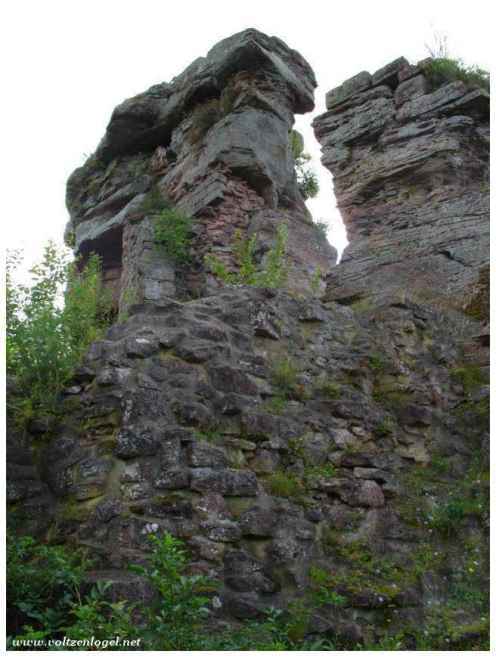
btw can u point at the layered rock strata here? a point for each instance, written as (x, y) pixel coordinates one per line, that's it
(303, 449)
(411, 176)
(215, 144)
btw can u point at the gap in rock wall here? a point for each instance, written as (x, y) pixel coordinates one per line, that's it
(323, 208)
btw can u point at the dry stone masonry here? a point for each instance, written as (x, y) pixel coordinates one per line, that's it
(278, 434)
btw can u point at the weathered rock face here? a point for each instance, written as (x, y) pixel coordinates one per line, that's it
(275, 433)
(215, 143)
(181, 421)
(411, 177)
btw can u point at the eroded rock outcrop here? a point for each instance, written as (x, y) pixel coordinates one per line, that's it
(215, 143)
(299, 447)
(411, 176)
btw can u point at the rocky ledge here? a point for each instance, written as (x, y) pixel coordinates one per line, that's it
(411, 176)
(214, 143)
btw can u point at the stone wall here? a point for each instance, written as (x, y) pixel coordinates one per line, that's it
(411, 176)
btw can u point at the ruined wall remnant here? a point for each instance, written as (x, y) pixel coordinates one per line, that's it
(410, 165)
(215, 143)
(280, 435)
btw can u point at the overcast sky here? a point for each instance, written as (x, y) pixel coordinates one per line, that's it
(68, 64)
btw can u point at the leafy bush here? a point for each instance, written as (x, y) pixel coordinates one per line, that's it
(307, 180)
(172, 234)
(43, 584)
(46, 338)
(322, 592)
(173, 621)
(274, 273)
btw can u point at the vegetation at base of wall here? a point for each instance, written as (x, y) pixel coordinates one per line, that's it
(49, 598)
(307, 180)
(47, 601)
(274, 272)
(50, 324)
(172, 234)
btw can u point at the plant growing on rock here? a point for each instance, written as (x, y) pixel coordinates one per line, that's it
(272, 275)
(307, 180)
(285, 484)
(172, 234)
(154, 202)
(284, 374)
(443, 68)
(50, 324)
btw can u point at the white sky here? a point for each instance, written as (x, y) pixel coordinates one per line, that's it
(68, 64)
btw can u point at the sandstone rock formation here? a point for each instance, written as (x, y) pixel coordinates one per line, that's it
(411, 176)
(274, 432)
(215, 143)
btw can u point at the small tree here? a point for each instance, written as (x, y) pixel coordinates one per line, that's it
(308, 183)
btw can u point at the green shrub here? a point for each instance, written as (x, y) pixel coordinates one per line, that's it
(172, 234)
(45, 337)
(329, 389)
(43, 584)
(443, 70)
(285, 484)
(307, 180)
(322, 592)
(273, 275)
(447, 516)
(176, 616)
